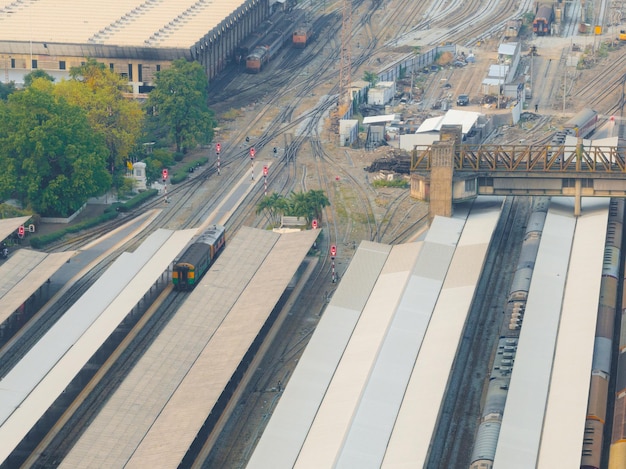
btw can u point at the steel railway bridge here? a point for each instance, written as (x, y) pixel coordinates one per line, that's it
(448, 171)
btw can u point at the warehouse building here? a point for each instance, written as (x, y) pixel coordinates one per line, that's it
(134, 38)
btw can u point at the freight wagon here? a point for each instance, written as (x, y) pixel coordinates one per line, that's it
(198, 257)
(543, 20)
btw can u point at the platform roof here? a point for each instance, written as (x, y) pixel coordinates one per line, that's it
(183, 416)
(372, 422)
(522, 422)
(124, 420)
(150, 23)
(417, 419)
(334, 416)
(564, 426)
(29, 389)
(9, 226)
(23, 273)
(286, 431)
(121, 425)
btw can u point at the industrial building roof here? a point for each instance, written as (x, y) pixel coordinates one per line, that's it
(148, 23)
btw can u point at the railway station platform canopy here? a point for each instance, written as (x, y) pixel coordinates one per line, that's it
(154, 416)
(9, 226)
(35, 382)
(358, 396)
(22, 274)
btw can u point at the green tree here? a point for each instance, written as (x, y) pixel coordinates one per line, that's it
(100, 92)
(179, 101)
(52, 158)
(274, 205)
(6, 89)
(30, 77)
(371, 78)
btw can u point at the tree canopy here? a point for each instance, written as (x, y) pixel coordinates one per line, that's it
(179, 101)
(100, 92)
(308, 205)
(53, 161)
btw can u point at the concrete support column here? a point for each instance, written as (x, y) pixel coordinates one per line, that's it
(578, 189)
(442, 171)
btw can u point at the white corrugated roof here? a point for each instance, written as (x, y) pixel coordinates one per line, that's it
(564, 425)
(151, 23)
(498, 71)
(372, 422)
(287, 429)
(507, 48)
(466, 119)
(378, 119)
(417, 419)
(46, 370)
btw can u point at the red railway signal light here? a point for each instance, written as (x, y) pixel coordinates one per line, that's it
(314, 224)
(20, 231)
(252, 152)
(164, 174)
(218, 147)
(333, 251)
(265, 170)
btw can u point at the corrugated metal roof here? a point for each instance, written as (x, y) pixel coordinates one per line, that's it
(466, 119)
(44, 372)
(123, 422)
(9, 226)
(564, 423)
(287, 429)
(518, 445)
(23, 278)
(334, 416)
(150, 23)
(487, 439)
(182, 418)
(377, 411)
(417, 418)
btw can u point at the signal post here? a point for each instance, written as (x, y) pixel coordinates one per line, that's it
(333, 254)
(218, 149)
(164, 176)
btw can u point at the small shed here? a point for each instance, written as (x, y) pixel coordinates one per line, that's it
(382, 93)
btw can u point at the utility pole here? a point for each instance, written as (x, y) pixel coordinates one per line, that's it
(346, 57)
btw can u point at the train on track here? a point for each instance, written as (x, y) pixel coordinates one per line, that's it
(198, 257)
(542, 24)
(302, 35)
(488, 431)
(272, 41)
(512, 28)
(595, 432)
(582, 124)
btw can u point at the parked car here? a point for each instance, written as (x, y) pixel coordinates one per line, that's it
(463, 100)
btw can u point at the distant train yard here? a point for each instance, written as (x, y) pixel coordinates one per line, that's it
(191, 335)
